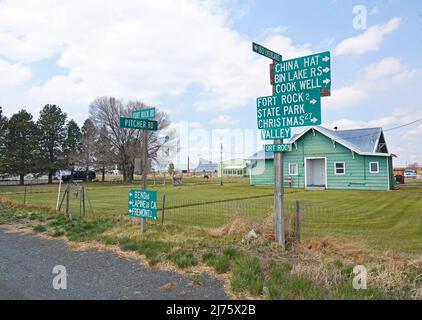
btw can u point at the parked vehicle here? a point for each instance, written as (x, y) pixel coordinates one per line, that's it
(80, 176)
(410, 173)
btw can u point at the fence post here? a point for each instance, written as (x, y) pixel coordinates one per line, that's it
(83, 201)
(24, 196)
(297, 222)
(67, 203)
(164, 205)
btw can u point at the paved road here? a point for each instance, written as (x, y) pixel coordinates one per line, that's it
(27, 262)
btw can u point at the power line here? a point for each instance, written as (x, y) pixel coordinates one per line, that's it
(404, 125)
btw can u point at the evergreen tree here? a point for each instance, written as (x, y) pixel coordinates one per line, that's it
(52, 127)
(3, 131)
(21, 143)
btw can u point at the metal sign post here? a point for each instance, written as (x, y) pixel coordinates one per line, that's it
(298, 85)
(144, 170)
(278, 191)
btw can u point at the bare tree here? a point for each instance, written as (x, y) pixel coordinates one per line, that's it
(88, 144)
(105, 155)
(106, 111)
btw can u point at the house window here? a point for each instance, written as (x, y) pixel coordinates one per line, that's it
(374, 167)
(292, 169)
(339, 168)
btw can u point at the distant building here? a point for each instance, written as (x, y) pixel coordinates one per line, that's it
(206, 166)
(233, 168)
(331, 159)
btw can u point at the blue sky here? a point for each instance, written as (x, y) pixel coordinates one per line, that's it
(194, 60)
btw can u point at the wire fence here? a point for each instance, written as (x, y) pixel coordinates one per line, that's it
(379, 225)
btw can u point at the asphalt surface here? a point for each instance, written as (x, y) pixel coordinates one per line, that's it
(26, 272)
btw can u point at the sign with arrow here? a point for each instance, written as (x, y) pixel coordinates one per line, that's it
(143, 204)
(266, 52)
(294, 109)
(304, 73)
(144, 113)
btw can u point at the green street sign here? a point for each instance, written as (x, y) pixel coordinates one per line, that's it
(304, 73)
(143, 204)
(277, 147)
(276, 134)
(132, 123)
(294, 109)
(266, 52)
(144, 113)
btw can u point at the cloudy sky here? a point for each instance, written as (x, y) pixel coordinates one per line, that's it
(193, 59)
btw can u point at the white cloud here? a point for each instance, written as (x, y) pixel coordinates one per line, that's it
(370, 40)
(134, 50)
(225, 120)
(13, 74)
(377, 77)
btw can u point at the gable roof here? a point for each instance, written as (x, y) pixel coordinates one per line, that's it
(362, 141)
(261, 155)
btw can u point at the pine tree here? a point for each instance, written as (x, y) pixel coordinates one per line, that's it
(21, 143)
(51, 124)
(3, 131)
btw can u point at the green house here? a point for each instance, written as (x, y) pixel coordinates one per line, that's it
(233, 168)
(330, 159)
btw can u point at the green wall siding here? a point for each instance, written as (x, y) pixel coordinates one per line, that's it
(357, 175)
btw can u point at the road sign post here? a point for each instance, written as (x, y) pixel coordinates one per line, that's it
(140, 120)
(297, 85)
(144, 170)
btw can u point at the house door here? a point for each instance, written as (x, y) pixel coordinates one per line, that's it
(315, 173)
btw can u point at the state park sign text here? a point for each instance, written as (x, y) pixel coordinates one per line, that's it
(295, 109)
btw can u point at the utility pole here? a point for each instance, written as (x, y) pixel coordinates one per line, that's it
(144, 158)
(279, 181)
(221, 164)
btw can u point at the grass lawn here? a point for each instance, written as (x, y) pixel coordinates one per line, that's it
(379, 219)
(387, 224)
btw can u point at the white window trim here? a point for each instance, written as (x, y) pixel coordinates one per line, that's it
(378, 167)
(297, 169)
(344, 168)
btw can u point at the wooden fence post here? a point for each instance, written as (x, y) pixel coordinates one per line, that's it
(297, 222)
(164, 205)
